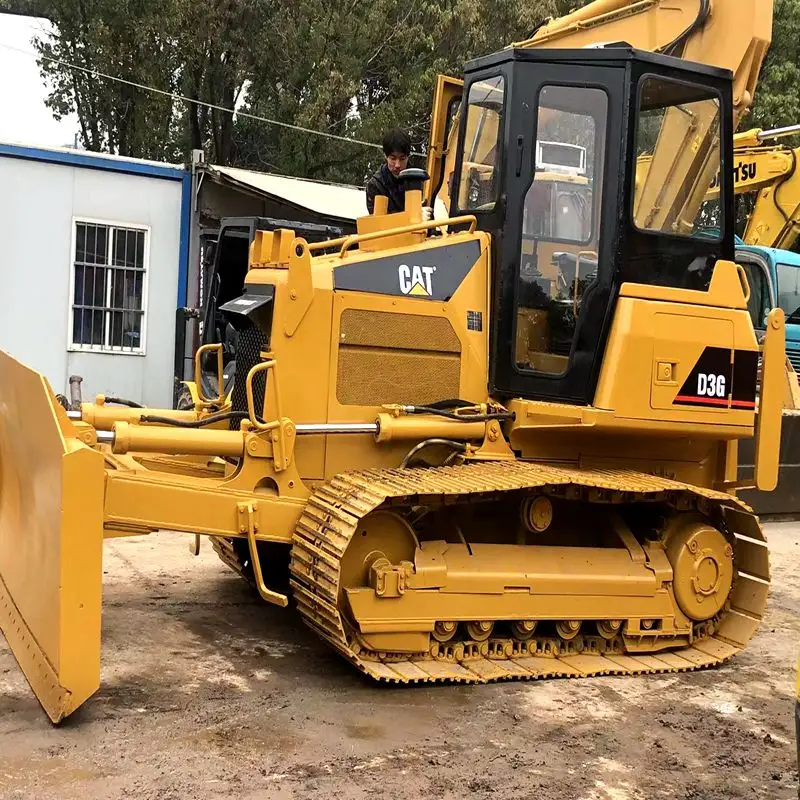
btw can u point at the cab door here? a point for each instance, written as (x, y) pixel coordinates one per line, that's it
(442, 141)
(556, 251)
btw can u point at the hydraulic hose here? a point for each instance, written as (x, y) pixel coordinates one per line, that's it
(699, 21)
(458, 447)
(197, 423)
(440, 412)
(121, 401)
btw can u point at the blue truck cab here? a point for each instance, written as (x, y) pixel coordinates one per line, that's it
(774, 277)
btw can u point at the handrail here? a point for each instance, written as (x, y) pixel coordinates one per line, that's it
(417, 226)
(327, 244)
(198, 373)
(264, 366)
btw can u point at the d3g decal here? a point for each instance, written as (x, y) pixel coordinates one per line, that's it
(711, 385)
(416, 280)
(721, 378)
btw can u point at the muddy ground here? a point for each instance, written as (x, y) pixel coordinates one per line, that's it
(208, 693)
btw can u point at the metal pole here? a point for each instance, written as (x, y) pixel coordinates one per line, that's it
(306, 429)
(778, 133)
(75, 392)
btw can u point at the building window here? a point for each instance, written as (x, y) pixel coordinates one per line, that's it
(109, 279)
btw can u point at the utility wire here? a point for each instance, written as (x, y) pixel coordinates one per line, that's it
(185, 99)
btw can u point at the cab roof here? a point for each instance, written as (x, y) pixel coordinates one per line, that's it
(617, 54)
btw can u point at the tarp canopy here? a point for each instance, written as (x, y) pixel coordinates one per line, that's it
(333, 200)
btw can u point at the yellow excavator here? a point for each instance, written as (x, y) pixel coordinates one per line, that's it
(769, 171)
(440, 497)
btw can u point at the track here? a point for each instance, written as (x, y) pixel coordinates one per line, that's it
(335, 509)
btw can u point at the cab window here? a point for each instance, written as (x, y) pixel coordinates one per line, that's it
(677, 155)
(760, 302)
(558, 255)
(789, 291)
(479, 183)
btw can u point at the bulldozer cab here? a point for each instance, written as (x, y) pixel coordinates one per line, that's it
(546, 161)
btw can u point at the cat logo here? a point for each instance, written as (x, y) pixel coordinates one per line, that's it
(416, 280)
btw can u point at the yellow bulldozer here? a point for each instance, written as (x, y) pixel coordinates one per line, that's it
(456, 468)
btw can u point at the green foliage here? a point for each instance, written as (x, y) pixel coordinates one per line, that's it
(28, 8)
(356, 69)
(778, 91)
(351, 67)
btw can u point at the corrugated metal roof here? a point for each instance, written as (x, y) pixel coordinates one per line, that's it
(331, 199)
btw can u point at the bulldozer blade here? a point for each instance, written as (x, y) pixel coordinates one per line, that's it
(51, 541)
(784, 501)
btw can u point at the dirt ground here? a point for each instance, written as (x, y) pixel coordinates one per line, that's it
(207, 693)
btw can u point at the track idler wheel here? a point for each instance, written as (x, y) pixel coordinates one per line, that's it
(702, 564)
(383, 537)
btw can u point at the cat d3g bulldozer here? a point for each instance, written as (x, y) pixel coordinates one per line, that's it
(464, 449)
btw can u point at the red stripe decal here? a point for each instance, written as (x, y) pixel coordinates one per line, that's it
(711, 401)
(744, 403)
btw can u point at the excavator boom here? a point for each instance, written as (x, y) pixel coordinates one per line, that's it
(730, 34)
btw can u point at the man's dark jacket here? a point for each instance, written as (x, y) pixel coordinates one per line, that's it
(383, 182)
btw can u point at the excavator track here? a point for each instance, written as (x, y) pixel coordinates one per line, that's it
(334, 511)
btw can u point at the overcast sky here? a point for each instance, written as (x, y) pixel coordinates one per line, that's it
(25, 119)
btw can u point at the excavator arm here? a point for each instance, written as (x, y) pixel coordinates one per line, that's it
(772, 171)
(768, 170)
(730, 34)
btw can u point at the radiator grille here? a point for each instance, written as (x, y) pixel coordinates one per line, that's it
(794, 358)
(252, 340)
(396, 358)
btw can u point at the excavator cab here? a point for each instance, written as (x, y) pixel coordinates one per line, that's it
(562, 248)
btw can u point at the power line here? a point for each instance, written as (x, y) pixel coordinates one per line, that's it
(185, 99)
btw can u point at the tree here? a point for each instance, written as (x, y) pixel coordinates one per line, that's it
(350, 68)
(356, 68)
(202, 50)
(27, 8)
(101, 35)
(777, 101)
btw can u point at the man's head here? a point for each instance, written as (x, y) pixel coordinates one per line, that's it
(396, 148)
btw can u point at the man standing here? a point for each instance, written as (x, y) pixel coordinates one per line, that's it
(396, 148)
